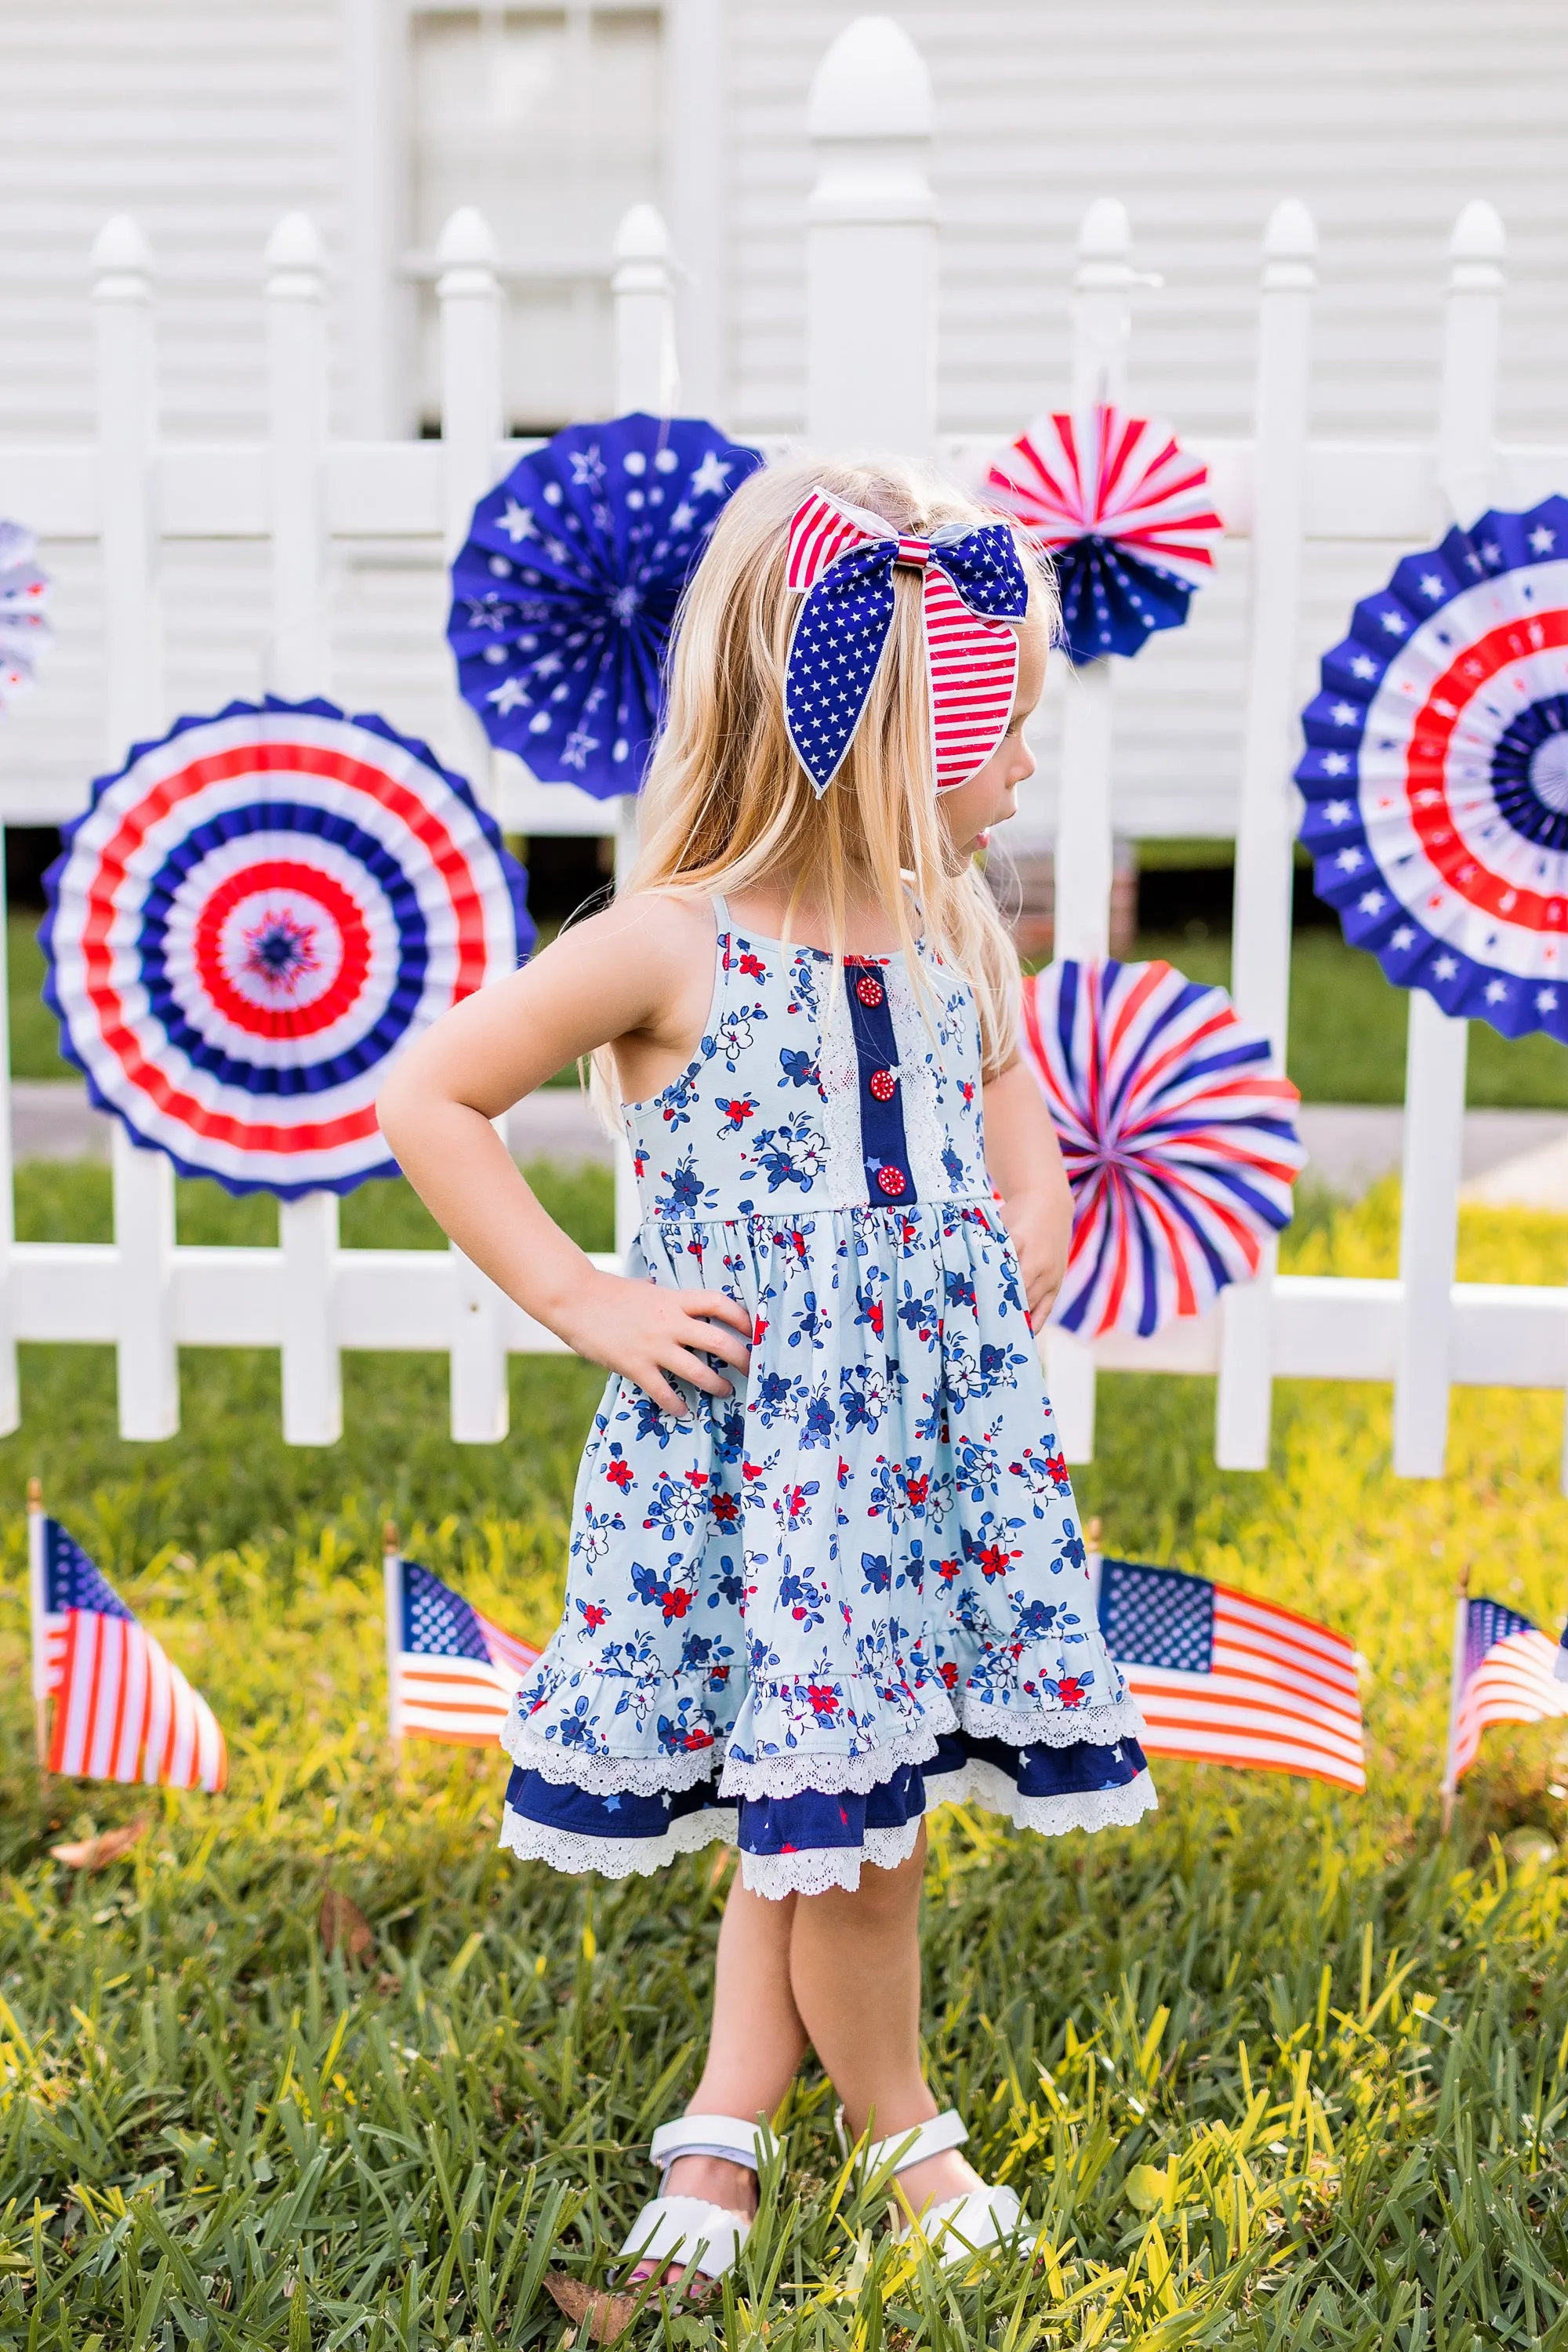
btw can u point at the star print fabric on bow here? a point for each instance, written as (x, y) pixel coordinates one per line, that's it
(974, 590)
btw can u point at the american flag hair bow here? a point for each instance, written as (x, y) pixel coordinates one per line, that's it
(975, 589)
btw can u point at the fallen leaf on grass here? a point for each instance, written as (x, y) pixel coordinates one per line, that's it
(606, 2316)
(91, 1854)
(343, 1926)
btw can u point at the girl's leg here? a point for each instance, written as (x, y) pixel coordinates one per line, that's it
(854, 1972)
(756, 2045)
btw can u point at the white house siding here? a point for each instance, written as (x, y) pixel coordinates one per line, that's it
(208, 119)
(1384, 116)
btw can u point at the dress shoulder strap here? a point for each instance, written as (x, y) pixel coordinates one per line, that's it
(720, 914)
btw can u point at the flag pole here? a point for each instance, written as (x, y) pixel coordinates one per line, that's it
(40, 1631)
(391, 1590)
(1456, 1692)
(1093, 1535)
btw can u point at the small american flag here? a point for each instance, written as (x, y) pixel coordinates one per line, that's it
(122, 1712)
(452, 1673)
(1224, 1678)
(1504, 1672)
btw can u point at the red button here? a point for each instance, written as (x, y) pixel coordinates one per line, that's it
(883, 1084)
(893, 1182)
(868, 989)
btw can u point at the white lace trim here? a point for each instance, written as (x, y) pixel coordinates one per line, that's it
(1057, 1727)
(925, 1130)
(843, 1171)
(572, 1852)
(814, 1770)
(817, 1869)
(610, 1776)
(813, 1872)
(985, 1784)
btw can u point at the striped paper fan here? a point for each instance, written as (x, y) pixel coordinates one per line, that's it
(1127, 517)
(1180, 1144)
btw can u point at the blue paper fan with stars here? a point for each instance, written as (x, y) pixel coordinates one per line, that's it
(1435, 774)
(564, 596)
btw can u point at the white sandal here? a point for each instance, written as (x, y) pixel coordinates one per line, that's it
(691, 2231)
(956, 2227)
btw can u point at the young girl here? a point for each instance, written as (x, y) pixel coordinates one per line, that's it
(825, 1568)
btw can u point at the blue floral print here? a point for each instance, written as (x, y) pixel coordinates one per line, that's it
(866, 1562)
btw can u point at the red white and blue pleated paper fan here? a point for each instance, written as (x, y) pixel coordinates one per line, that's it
(564, 596)
(1435, 775)
(254, 917)
(1126, 517)
(24, 630)
(1179, 1140)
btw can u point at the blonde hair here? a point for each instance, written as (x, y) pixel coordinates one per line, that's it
(727, 804)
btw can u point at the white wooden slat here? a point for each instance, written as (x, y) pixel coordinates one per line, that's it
(1261, 954)
(146, 1367)
(1437, 1052)
(469, 296)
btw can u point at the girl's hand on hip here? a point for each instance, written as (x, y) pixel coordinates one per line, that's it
(657, 1336)
(1039, 1235)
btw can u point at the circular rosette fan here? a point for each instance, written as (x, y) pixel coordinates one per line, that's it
(1180, 1145)
(24, 631)
(564, 596)
(1125, 516)
(1435, 774)
(253, 917)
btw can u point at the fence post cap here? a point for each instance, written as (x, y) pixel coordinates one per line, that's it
(466, 253)
(1292, 233)
(1105, 233)
(873, 83)
(295, 244)
(1479, 233)
(120, 251)
(294, 260)
(641, 235)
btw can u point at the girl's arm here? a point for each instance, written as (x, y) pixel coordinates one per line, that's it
(1026, 1166)
(640, 971)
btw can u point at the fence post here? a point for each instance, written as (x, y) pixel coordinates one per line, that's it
(1435, 1063)
(1101, 323)
(146, 1362)
(647, 377)
(298, 665)
(472, 428)
(1261, 951)
(870, 246)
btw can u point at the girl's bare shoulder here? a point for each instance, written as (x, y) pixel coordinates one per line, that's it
(659, 922)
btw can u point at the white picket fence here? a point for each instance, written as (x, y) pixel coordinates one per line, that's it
(871, 234)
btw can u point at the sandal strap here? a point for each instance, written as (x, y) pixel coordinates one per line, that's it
(686, 2228)
(725, 2135)
(900, 2149)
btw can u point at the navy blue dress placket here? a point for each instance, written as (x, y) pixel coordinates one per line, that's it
(889, 1180)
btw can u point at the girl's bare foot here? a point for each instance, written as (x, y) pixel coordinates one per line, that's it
(934, 2179)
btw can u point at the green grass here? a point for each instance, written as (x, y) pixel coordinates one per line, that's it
(1348, 1028)
(1280, 2069)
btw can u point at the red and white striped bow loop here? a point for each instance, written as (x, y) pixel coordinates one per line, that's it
(974, 590)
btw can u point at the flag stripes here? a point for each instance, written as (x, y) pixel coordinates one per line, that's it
(973, 676)
(1514, 1682)
(123, 1713)
(1223, 1677)
(454, 1671)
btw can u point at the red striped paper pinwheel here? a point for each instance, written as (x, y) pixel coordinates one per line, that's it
(1126, 517)
(1180, 1144)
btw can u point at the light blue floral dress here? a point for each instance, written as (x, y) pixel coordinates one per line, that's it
(857, 1585)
